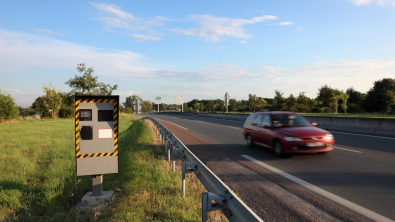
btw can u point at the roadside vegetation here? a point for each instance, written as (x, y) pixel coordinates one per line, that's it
(38, 180)
(379, 101)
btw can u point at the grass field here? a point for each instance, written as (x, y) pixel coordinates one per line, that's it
(38, 180)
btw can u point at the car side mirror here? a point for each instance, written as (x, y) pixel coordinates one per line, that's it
(314, 124)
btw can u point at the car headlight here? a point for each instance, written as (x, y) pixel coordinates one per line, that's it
(328, 137)
(287, 138)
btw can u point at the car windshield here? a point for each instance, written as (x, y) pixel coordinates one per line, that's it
(289, 120)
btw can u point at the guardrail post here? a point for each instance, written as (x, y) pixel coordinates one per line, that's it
(176, 151)
(168, 150)
(220, 203)
(185, 170)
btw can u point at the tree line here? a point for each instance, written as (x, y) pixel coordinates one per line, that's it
(379, 99)
(54, 103)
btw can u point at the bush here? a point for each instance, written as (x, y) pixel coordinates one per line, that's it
(66, 112)
(355, 108)
(316, 110)
(302, 108)
(8, 108)
(29, 118)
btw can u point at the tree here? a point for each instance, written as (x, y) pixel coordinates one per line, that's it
(328, 97)
(302, 99)
(185, 107)
(146, 106)
(253, 101)
(233, 104)
(210, 105)
(219, 105)
(38, 104)
(87, 84)
(381, 97)
(279, 103)
(356, 101)
(52, 99)
(343, 97)
(8, 108)
(291, 102)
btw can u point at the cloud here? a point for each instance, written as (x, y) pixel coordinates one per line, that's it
(46, 31)
(211, 28)
(24, 51)
(209, 86)
(378, 2)
(113, 17)
(146, 37)
(283, 23)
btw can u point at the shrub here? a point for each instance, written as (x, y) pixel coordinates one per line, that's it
(66, 112)
(8, 108)
(29, 117)
(20, 118)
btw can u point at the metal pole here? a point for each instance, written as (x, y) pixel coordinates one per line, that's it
(174, 159)
(97, 185)
(204, 207)
(184, 166)
(168, 153)
(158, 108)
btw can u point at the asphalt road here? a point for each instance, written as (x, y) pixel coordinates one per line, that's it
(361, 169)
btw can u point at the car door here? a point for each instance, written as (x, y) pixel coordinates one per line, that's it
(255, 129)
(266, 130)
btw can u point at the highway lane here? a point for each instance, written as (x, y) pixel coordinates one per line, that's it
(361, 169)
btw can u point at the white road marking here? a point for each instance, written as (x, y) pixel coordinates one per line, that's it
(176, 124)
(355, 207)
(364, 135)
(234, 127)
(347, 149)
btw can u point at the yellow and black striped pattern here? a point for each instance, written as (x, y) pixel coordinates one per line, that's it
(77, 128)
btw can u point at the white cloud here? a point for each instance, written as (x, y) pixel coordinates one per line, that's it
(146, 37)
(113, 17)
(130, 93)
(283, 23)
(22, 50)
(378, 2)
(212, 28)
(209, 86)
(46, 31)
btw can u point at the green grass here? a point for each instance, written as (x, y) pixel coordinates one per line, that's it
(38, 180)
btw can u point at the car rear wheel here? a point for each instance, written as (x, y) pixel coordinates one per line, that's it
(278, 149)
(249, 141)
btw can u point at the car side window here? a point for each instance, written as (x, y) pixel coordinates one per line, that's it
(266, 121)
(257, 121)
(249, 119)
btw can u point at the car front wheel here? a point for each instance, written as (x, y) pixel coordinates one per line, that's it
(278, 149)
(249, 141)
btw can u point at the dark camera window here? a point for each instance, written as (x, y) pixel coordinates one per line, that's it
(105, 115)
(86, 132)
(85, 115)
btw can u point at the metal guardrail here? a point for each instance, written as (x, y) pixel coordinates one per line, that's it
(224, 198)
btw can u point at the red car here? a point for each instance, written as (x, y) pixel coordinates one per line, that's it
(286, 133)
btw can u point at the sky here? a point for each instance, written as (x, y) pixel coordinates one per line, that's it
(196, 49)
